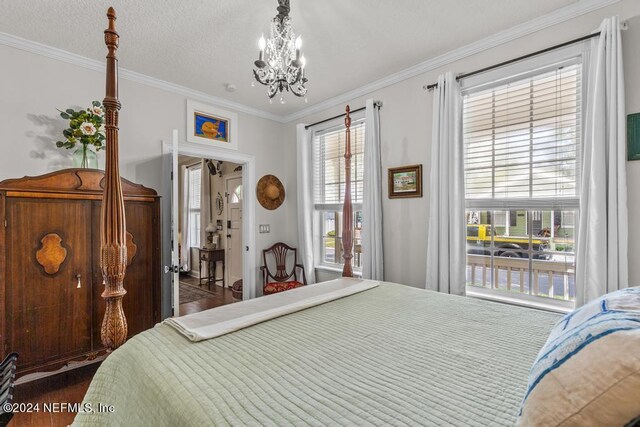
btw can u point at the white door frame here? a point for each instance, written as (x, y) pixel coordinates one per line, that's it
(226, 219)
(249, 259)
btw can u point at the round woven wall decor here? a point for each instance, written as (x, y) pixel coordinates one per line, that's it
(270, 192)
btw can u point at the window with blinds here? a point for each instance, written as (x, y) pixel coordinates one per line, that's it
(328, 155)
(521, 140)
(329, 186)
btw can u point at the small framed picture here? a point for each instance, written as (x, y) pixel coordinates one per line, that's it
(405, 181)
(210, 125)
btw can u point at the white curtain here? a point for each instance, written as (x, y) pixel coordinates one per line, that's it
(372, 249)
(305, 203)
(602, 263)
(185, 251)
(446, 245)
(205, 201)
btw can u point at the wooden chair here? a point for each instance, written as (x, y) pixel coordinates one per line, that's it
(7, 377)
(282, 279)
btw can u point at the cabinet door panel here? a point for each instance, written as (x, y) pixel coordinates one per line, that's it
(48, 315)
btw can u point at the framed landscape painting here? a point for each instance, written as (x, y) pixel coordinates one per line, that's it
(210, 125)
(405, 181)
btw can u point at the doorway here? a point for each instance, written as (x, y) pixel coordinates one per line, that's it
(171, 237)
(209, 232)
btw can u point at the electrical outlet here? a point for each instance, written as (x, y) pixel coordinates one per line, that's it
(264, 228)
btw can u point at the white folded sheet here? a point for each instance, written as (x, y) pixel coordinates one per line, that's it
(232, 317)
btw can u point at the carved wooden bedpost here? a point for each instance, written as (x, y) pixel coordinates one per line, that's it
(113, 245)
(347, 209)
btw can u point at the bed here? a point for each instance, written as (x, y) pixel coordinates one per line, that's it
(390, 355)
(387, 354)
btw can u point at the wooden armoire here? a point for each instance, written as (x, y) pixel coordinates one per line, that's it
(50, 277)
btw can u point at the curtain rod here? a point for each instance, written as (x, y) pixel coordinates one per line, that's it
(520, 58)
(375, 104)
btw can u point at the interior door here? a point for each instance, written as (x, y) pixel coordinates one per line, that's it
(234, 228)
(170, 248)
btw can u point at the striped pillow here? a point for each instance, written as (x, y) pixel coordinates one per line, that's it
(588, 372)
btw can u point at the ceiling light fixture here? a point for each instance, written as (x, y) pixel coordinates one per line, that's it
(283, 68)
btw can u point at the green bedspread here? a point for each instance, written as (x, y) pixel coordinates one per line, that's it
(393, 355)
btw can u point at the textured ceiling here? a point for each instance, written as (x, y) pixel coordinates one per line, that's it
(204, 45)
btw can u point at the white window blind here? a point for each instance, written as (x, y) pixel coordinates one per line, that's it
(195, 183)
(521, 140)
(329, 173)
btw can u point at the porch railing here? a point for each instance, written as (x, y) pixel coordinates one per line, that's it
(549, 278)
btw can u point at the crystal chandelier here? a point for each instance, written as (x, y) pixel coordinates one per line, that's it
(280, 66)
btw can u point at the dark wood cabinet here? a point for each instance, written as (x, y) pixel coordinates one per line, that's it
(50, 279)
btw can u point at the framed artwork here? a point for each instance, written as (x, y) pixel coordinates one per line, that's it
(219, 204)
(405, 181)
(207, 124)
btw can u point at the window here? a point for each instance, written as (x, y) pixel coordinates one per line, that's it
(236, 196)
(501, 218)
(521, 146)
(567, 220)
(194, 175)
(329, 186)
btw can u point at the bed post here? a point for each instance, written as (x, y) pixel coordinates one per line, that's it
(347, 209)
(113, 245)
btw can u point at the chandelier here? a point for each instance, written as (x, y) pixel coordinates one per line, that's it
(280, 66)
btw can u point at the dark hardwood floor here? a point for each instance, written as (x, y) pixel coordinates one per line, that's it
(71, 386)
(222, 296)
(67, 387)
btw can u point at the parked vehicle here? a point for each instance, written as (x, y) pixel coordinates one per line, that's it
(480, 236)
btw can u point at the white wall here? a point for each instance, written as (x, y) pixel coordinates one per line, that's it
(406, 137)
(32, 87)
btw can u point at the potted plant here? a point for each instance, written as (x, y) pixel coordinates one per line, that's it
(86, 127)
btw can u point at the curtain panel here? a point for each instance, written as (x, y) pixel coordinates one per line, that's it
(305, 202)
(446, 243)
(601, 256)
(205, 201)
(185, 251)
(372, 231)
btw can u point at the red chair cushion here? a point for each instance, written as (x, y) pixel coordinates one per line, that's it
(274, 287)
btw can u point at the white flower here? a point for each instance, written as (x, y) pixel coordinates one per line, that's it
(102, 130)
(97, 111)
(88, 128)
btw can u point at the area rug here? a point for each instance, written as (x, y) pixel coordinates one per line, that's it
(189, 293)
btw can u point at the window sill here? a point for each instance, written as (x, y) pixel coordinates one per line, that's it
(562, 307)
(332, 269)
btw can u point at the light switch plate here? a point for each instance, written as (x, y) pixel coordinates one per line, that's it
(264, 228)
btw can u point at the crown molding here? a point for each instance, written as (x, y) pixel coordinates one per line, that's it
(564, 14)
(559, 16)
(99, 66)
